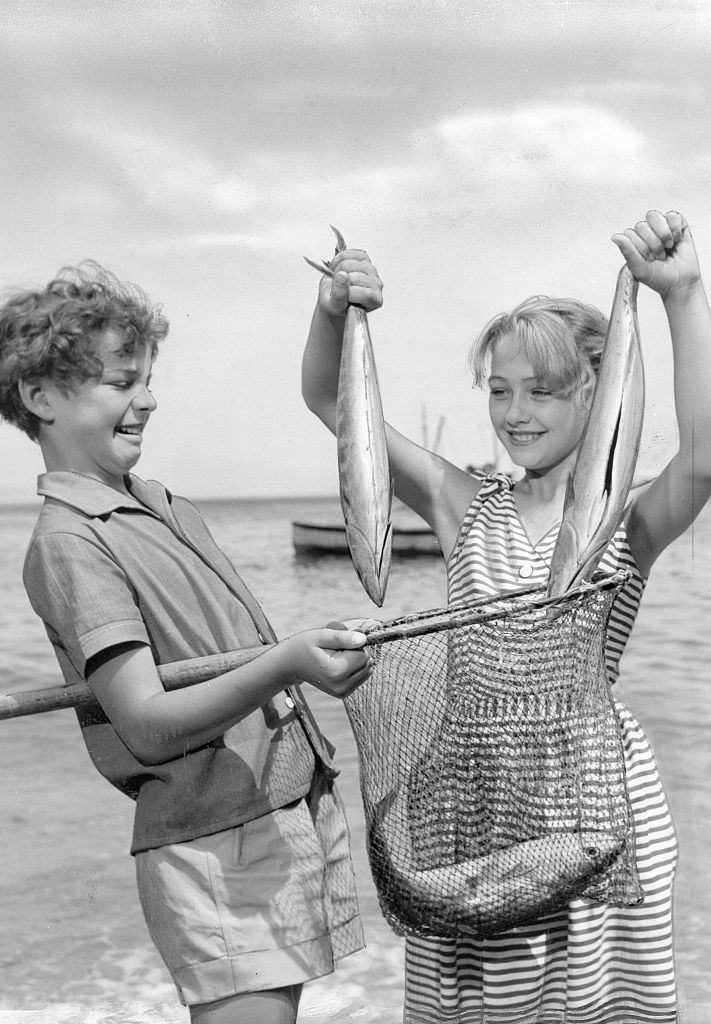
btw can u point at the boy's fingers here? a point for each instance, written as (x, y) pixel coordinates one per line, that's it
(337, 637)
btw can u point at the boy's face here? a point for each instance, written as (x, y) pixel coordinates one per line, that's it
(97, 427)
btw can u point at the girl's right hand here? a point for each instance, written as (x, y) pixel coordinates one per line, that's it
(355, 282)
(333, 659)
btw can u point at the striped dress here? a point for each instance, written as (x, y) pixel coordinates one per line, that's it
(590, 963)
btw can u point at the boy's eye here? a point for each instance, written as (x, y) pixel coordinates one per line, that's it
(498, 392)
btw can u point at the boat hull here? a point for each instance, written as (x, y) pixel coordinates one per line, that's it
(330, 539)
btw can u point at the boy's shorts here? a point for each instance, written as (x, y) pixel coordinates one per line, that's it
(263, 905)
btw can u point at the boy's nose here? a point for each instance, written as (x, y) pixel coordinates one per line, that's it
(144, 400)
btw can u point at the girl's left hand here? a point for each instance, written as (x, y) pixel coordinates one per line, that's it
(660, 253)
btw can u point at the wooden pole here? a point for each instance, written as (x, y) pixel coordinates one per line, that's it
(174, 676)
(178, 674)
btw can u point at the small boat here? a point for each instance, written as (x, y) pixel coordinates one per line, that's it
(330, 539)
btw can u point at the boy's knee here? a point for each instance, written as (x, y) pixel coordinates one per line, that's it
(276, 1006)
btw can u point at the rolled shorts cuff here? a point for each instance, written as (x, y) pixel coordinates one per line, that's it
(259, 971)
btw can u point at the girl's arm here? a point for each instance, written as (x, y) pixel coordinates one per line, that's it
(159, 726)
(660, 253)
(434, 488)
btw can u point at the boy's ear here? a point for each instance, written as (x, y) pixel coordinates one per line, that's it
(35, 398)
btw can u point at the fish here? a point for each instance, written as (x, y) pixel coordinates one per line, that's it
(482, 896)
(600, 482)
(365, 484)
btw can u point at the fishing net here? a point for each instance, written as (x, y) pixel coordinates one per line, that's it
(491, 760)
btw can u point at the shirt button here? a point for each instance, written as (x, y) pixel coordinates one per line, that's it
(525, 570)
(289, 701)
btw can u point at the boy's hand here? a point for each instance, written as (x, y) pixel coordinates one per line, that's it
(332, 659)
(660, 253)
(355, 282)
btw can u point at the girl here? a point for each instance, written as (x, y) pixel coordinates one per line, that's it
(590, 963)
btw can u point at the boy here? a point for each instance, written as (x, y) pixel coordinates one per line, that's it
(241, 847)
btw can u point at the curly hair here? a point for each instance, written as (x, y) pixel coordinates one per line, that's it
(562, 338)
(52, 334)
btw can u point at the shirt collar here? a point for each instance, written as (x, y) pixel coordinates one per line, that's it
(95, 498)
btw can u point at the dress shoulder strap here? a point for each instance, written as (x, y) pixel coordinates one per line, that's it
(491, 484)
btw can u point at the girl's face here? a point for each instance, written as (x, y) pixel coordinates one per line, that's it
(539, 428)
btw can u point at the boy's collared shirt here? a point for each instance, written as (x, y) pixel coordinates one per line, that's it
(104, 569)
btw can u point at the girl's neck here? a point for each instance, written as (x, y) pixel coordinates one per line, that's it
(548, 488)
(545, 488)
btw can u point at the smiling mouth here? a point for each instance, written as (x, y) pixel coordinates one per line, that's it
(521, 438)
(136, 431)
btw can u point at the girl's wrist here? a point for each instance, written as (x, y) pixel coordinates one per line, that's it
(684, 294)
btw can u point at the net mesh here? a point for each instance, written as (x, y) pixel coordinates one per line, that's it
(492, 769)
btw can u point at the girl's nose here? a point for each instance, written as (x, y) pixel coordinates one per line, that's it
(519, 410)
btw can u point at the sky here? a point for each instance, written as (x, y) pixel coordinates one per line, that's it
(479, 151)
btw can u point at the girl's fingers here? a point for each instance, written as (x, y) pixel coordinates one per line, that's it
(649, 241)
(677, 224)
(633, 246)
(369, 298)
(349, 259)
(334, 291)
(630, 251)
(660, 225)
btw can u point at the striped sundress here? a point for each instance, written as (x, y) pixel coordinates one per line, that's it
(590, 963)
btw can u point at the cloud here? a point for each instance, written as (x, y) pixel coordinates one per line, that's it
(553, 141)
(163, 171)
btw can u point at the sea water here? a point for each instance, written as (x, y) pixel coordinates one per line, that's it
(73, 946)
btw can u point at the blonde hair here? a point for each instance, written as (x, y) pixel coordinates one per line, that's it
(562, 338)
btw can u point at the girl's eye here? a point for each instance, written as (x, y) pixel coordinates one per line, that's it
(498, 393)
(541, 393)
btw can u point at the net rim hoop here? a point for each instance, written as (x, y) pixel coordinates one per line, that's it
(510, 605)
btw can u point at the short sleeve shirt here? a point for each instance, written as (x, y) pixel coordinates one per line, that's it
(104, 569)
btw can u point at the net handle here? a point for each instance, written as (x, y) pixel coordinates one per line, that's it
(178, 674)
(464, 613)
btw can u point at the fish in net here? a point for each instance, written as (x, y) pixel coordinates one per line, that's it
(491, 764)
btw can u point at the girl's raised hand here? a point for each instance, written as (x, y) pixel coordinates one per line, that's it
(355, 282)
(660, 253)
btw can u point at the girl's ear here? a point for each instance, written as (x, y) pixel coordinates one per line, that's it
(587, 390)
(34, 397)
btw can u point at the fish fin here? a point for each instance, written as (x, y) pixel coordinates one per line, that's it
(322, 268)
(340, 240)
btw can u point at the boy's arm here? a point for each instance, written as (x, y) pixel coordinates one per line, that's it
(159, 726)
(660, 253)
(434, 488)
